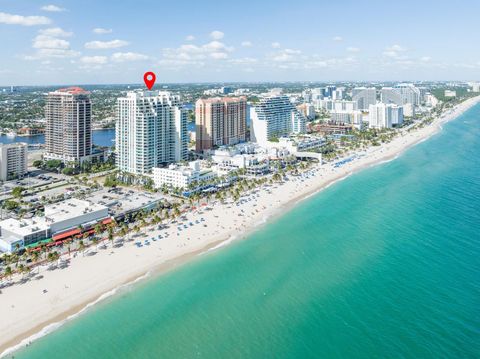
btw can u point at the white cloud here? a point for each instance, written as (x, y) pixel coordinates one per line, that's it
(243, 61)
(246, 44)
(216, 46)
(425, 58)
(217, 35)
(128, 56)
(114, 44)
(55, 32)
(101, 31)
(218, 55)
(394, 51)
(95, 60)
(397, 48)
(337, 38)
(55, 53)
(276, 45)
(195, 55)
(52, 8)
(23, 20)
(49, 42)
(190, 38)
(286, 55)
(353, 49)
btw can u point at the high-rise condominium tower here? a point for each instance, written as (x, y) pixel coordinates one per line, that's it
(364, 97)
(151, 131)
(68, 133)
(273, 117)
(220, 121)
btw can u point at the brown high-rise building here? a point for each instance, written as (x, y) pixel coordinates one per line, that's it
(68, 133)
(220, 121)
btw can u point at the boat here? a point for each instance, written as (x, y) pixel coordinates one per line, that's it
(11, 134)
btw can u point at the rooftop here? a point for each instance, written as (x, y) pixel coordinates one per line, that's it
(24, 227)
(70, 208)
(73, 91)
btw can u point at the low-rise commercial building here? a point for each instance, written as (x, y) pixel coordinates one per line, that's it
(61, 221)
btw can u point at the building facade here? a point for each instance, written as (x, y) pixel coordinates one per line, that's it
(13, 160)
(220, 121)
(62, 220)
(355, 118)
(68, 132)
(335, 105)
(150, 131)
(385, 115)
(364, 97)
(274, 117)
(176, 176)
(401, 94)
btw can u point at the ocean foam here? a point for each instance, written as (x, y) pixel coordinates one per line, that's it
(54, 326)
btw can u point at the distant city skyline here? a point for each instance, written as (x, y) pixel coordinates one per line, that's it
(93, 42)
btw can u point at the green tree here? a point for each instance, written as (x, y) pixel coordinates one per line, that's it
(17, 192)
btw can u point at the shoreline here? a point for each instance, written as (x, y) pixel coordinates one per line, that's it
(90, 280)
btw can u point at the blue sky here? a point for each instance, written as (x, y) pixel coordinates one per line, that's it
(93, 41)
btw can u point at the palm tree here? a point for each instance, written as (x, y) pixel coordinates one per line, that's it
(8, 272)
(176, 212)
(110, 235)
(81, 247)
(95, 241)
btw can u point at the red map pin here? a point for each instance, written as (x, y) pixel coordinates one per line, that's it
(149, 78)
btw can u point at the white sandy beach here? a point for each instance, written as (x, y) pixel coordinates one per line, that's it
(25, 309)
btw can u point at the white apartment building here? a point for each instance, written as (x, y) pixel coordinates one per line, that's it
(335, 105)
(401, 94)
(476, 87)
(275, 116)
(385, 115)
(450, 93)
(354, 118)
(151, 131)
(307, 110)
(177, 176)
(337, 94)
(13, 160)
(431, 100)
(364, 97)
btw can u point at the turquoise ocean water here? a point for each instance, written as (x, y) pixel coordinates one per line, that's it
(385, 264)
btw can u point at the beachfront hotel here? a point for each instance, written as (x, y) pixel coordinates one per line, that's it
(335, 105)
(13, 160)
(273, 117)
(364, 97)
(401, 94)
(178, 176)
(383, 115)
(151, 131)
(220, 121)
(355, 118)
(68, 132)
